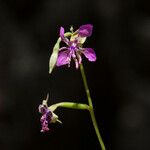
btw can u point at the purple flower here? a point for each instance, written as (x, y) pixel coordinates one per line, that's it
(74, 48)
(46, 117)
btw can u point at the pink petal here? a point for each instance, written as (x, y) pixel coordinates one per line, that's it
(89, 54)
(63, 58)
(85, 30)
(61, 34)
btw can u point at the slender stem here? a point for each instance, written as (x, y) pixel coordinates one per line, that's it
(69, 105)
(91, 108)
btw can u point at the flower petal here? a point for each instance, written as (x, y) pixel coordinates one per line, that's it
(85, 30)
(61, 34)
(42, 109)
(63, 58)
(89, 54)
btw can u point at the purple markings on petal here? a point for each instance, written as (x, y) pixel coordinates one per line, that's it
(44, 123)
(46, 117)
(63, 58)
(85, 30)
(42, 109)
(89, 54)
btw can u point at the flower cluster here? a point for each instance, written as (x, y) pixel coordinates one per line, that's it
(74, 48)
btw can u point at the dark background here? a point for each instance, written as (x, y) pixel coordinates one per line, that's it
(119, 80)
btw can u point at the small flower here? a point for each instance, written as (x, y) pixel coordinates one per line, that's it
(47, 116)
(74, 48)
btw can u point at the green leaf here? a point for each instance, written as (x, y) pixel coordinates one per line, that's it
(53, 57)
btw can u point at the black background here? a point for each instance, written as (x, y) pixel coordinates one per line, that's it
(119, 80)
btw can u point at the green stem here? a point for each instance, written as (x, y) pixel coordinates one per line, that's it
(91, 108)
(70, 105)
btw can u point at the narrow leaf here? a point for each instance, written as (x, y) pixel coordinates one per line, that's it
(53, 57)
